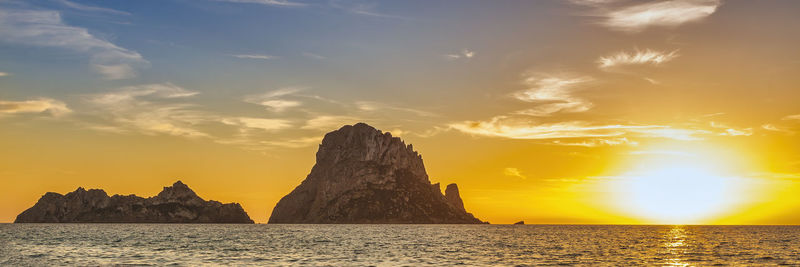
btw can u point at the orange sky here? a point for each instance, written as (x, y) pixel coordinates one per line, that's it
(581, 111)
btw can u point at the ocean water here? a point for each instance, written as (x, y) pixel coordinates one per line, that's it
(393, 245)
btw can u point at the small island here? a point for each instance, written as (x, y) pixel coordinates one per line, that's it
(175, 204)
(363, 175)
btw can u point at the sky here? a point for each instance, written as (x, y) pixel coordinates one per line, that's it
(561, 111)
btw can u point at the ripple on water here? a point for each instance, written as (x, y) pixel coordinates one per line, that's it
(148, 244)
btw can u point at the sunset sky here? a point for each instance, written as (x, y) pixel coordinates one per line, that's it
(580, 111)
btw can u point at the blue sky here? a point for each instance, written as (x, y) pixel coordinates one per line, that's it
(518, 97)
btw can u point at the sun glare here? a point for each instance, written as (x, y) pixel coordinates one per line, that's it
(686, 191)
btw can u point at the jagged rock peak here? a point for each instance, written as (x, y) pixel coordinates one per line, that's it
(361, 142)
(363, 175)
(178, 192)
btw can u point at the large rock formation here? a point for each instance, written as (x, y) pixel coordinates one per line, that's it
(175, 204)
(365, 176)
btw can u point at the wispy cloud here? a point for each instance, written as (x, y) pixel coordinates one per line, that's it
(596, 142)
(514, 172)
(731, 131)
(143, 109)
(646, 57)
(371, 106)
(553, 94)
(40, 105)
(273, 100)
(465, 54)
(329, 122)
(47, 29)
(278, 3)
(775, 128)
(792, 117)
(259, 123)
(3, 74)
(363, 8)
(517, 128)
(640, 16)
(88, 8)
(254, 56)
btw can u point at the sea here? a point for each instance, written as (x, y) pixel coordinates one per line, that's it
(395, 245)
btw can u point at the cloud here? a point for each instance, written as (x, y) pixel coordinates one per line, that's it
(329, 122)
(259, 123)
(596, 142)
(515, 128)
(147, 109)
(46, 28)
(272, 100)
(3, 74)
(254, 56)
(364, 9)
(665, 13)
(730, 131)
(88, 8)
(553, 94)
(280, 105)
(640, 16)
(592, 2)
(792, 117)
(465, 54)
(647, 57)
(370, 106)
(513, 172)
(774, 128)
(54, 107)
(279, 3)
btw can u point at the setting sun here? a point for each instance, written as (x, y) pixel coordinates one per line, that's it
(676, 194)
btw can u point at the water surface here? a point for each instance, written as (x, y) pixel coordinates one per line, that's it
(185, 244)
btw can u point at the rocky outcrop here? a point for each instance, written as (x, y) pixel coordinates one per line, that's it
(453, 197)
(363, 175)
(175, 204)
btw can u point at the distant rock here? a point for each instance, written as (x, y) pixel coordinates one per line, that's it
(175, 204)
(363, 175)
(520, 222)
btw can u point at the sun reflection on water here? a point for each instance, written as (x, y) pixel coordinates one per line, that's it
(675, 246)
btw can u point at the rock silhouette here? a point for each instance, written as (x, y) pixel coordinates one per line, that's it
(175, 204)
(363, 175)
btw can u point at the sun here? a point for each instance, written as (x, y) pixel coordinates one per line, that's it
(685, 190)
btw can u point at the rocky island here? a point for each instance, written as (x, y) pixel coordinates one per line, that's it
(175, 204)
(363, 175)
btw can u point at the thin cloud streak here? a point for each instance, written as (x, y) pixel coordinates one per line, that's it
(46, 28)
(638, 17)
(88, 8)
(277, 3)
(54, 107)
(553, 94)
(465, 54)
(666, 14)
(254, 56)
(646, 57)
(512, 128)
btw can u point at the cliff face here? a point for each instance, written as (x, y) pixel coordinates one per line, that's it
(365, 176)
(175, 204)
